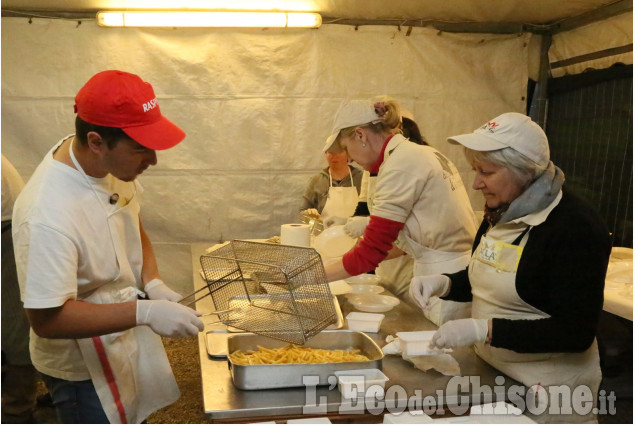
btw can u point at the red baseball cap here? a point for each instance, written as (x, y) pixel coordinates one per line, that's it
(123, 100)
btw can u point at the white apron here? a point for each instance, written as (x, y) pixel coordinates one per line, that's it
(428, 261)
(492, 274)
(340, 201)
(130, 369)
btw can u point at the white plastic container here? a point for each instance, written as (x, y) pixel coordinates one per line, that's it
(408, 417)
(364, 322)
(417, 343)
(321, 420)
(361, 383)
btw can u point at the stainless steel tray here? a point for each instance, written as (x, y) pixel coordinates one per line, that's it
(216, 339)
(216, 342)
(259, 377)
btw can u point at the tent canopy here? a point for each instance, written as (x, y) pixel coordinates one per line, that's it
(534, 13)
(258, 104)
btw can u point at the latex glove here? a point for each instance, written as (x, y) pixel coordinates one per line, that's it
(422, 288)
(168, 318)
(156, 289)
(334, 221)
(355, 226)
(460, 333)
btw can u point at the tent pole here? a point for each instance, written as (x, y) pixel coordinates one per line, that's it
(544, 75)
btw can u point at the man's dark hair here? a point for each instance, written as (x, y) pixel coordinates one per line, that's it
(411, 131)
(111, 135)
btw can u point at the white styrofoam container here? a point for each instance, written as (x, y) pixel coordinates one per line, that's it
(417, 343)
(407, 417)
(361, 383)
(364, 322)
(321, 420)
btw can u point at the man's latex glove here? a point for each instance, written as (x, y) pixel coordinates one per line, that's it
(156, 289)
(355, 226)
(422, 288)
(334, 221)
(168, 318)
(460, 333)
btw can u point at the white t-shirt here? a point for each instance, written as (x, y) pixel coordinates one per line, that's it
(12, 184)
(420, 187)
(64, 250)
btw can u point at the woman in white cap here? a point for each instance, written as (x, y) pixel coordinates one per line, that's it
(536, 276)
(395, 273)
(419, 201)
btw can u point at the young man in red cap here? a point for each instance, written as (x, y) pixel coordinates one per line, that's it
(83, 257)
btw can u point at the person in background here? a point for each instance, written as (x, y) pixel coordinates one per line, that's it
(536, 276)
(335, 190)
(83, 257)
(419, 200)
(411, 131)
(19, 377)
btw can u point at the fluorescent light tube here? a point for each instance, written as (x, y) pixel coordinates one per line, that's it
(209, 19)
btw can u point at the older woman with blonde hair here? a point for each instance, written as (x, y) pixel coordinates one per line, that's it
(419, 203)
(536, 276)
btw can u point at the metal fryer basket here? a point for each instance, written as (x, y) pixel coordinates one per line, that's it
(278, 291)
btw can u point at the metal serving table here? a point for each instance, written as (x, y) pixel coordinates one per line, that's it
(223, 402)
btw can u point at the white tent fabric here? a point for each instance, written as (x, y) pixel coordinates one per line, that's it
(256, 106)
(609, 33)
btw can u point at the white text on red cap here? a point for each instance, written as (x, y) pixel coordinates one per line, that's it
(150, 105)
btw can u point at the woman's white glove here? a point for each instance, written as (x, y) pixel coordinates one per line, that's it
(168, 318)
(156, 289)
(422, 288)
(355, 226)
(334, 221)
(460, 333)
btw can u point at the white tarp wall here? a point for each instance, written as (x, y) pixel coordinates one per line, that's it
(613, 32)
(256, 105)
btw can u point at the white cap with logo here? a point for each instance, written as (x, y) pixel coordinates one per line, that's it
(351, 112)
(509, 130)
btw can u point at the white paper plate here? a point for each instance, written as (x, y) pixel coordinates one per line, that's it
(373, 303)
(333, 242)
(363, 279)
(365, 289)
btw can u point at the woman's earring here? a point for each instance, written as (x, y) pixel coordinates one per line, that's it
(363, 145)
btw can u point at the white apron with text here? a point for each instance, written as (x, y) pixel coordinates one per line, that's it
(130, 369)
(492, 274)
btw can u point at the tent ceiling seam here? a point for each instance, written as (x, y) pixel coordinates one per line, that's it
(591, 56)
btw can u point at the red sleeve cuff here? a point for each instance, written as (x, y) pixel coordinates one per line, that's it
(373, 248)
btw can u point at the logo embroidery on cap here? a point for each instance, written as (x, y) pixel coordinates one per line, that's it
(490, 126)
(150, 105)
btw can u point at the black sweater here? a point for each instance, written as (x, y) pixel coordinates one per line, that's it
(561, 272)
